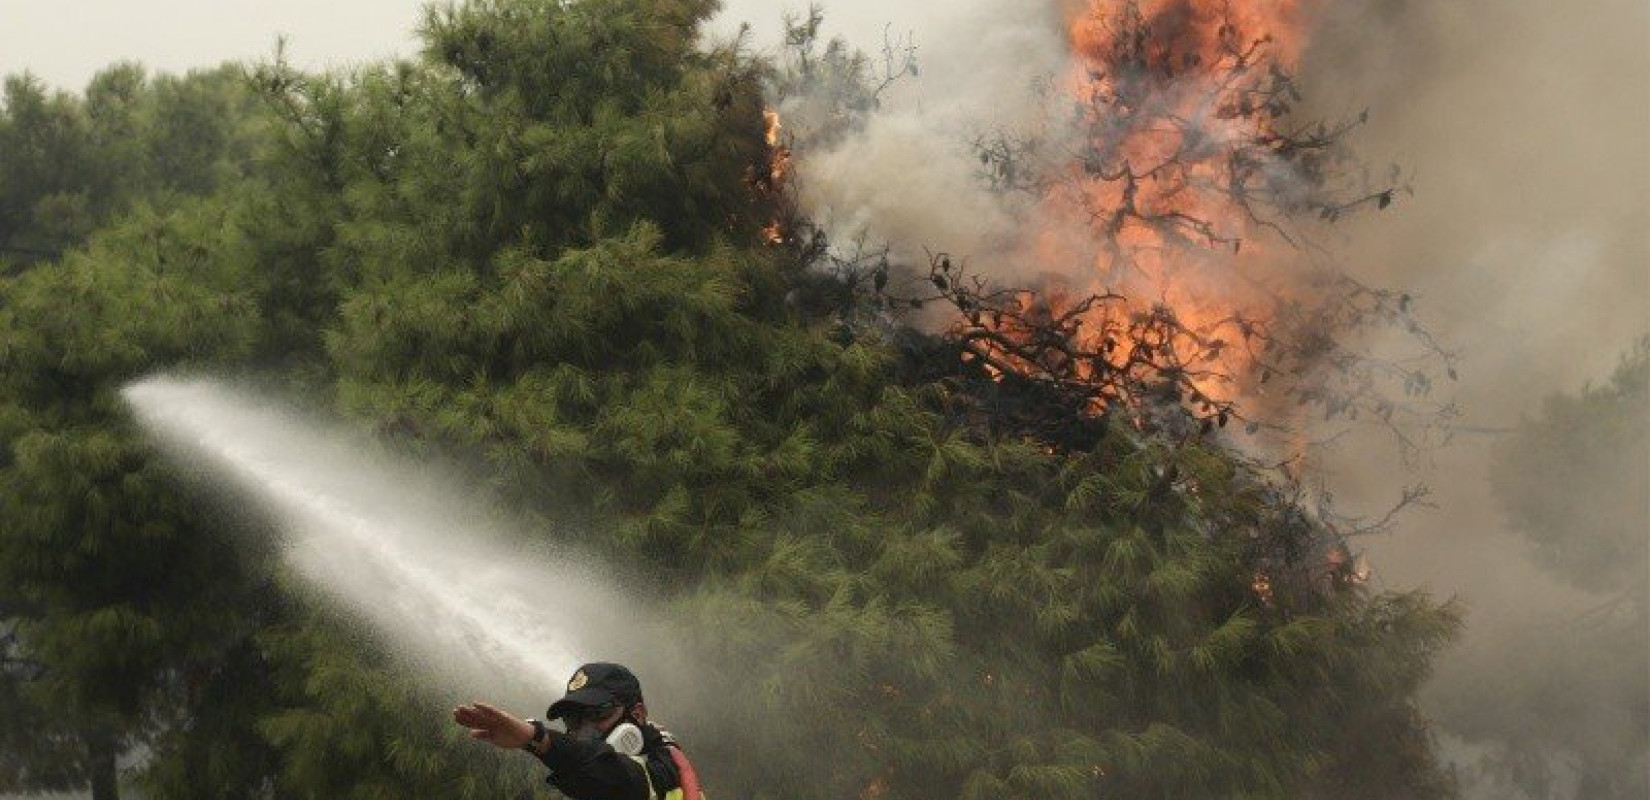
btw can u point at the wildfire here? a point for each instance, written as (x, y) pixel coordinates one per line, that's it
(772, 127)
(1186, 26)
(778, 170)
(1184, 170)
(1169, 93)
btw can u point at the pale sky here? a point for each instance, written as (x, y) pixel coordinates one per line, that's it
(66, 41)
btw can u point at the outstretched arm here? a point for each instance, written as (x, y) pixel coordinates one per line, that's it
(578, 768)
(494, 726)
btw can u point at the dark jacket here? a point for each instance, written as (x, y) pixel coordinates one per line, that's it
(594, 771)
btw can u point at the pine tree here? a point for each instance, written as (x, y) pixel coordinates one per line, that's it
(108, 584)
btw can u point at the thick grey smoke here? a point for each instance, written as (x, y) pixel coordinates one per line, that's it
(978, 71)
(1526, 126)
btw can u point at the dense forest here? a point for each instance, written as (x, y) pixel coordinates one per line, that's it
(545, 246)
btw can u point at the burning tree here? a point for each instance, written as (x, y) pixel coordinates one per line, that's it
(1171, 210)
(1170, 206)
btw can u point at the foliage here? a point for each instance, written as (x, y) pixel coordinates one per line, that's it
(100, 553)
(75, 164)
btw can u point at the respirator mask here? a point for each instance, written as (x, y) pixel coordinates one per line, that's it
(585, 724)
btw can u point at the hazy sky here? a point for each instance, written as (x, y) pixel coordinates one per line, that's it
(65, 42)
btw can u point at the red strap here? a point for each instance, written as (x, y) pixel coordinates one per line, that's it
(690, 779)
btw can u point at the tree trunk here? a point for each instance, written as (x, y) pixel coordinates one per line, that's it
(101, 766)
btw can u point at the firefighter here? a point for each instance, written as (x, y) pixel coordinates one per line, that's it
(608, 750)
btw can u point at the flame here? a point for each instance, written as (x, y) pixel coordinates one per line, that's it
(779, 150)
(1178, 107)
(1187, 27)
(778, 170)
(1262, 587)
(772, 127)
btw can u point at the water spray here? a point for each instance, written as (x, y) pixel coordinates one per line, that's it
(460, 596)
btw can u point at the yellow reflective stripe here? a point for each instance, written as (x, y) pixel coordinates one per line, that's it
(674, 794)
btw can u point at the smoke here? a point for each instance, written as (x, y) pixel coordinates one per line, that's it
(911, 178)
(1525, 125)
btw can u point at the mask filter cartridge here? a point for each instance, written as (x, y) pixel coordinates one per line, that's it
(626, 740)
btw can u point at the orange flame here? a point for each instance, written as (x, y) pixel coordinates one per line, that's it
(1189, 27)
(1178, 102)
(773, 126)
(778, 170)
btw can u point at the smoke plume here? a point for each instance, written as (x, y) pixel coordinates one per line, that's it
(1525, 126)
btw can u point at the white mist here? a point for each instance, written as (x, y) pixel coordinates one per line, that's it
(473, 609)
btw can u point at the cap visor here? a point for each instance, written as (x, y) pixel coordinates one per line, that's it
(589, 696)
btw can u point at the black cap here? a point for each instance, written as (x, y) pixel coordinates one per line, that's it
(596, 685)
